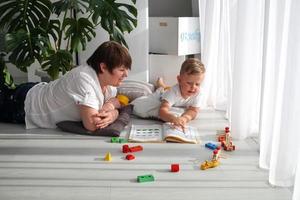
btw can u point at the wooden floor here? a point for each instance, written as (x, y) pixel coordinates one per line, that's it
(50, 164)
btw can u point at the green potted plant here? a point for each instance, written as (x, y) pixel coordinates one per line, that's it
(52, 32)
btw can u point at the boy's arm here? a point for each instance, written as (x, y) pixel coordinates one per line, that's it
(164, 113)
(166, 116)
(190, 113)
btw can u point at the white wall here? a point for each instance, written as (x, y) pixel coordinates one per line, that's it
(137, 42)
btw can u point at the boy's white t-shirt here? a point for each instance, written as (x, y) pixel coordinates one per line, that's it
(174, 98)
(49, 103)
(148, 106)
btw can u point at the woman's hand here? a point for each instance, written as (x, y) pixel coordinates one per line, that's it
(104, 118)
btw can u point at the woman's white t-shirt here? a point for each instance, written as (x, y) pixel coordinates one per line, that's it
(49, 103)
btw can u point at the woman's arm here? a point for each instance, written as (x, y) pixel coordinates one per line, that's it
(89, 117)
(111, 104)
(93, 120)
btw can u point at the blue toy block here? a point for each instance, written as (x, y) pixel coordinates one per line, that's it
(211, 146)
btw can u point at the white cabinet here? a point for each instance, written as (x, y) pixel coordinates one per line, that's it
(165, 66)
(174, 35)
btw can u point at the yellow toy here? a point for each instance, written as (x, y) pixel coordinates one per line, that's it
(108, 157)
(124, 100)
(209, 164)
(214, 162)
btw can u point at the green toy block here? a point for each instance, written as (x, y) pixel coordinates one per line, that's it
(145, 178)
(115, 140)
(123, 140)
(118, 140)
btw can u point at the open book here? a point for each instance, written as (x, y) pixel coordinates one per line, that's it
(163, 133)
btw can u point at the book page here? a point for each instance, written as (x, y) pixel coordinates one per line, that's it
(146, 133)
(190, 135)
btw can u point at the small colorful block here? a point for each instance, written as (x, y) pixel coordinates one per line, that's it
(174, 167)
(145, 178)
(123, 140)
(136, 148)
(125, 148)
(108, 157)
(211, 146)
(130, 157)
(114, 140)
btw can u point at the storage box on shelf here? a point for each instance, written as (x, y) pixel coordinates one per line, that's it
(174, 35)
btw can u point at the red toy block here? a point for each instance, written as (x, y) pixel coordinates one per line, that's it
(174, 167)
(136, 148)
(130, 157)
(125, 148)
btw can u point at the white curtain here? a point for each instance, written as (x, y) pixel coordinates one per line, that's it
(256, 44)
(215, 53)
(281, 95)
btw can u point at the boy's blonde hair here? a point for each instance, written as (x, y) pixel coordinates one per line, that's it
(192, 66)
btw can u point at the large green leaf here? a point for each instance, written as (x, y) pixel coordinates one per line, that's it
(68, 5)
(58, 61)
(25, 47)
(23, 14)
(115, 18)
(79, 31)
(32, 35)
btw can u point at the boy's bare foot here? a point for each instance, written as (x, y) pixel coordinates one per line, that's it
(160, 83)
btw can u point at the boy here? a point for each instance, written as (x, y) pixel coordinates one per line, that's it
(186, 93)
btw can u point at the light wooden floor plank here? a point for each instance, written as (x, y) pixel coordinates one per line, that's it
(51, 164)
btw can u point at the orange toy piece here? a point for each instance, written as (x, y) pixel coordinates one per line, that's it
(227, 143)
(221, 136)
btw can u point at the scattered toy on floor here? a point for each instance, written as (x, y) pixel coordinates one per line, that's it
(174, 167)
(108, 157)
(127, 149)
(145, 178)
(118, 140)
(211, 146)
(130, 157)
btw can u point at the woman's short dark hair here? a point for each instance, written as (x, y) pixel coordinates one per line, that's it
(112, 54)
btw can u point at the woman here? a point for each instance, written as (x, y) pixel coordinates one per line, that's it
(86, 93)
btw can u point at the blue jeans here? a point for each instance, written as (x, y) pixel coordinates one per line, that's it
(12, 103)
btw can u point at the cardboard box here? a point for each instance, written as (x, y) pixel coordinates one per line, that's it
(174, 35)
(165, 66)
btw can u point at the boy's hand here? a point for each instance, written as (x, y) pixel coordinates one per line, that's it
(179, 122)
